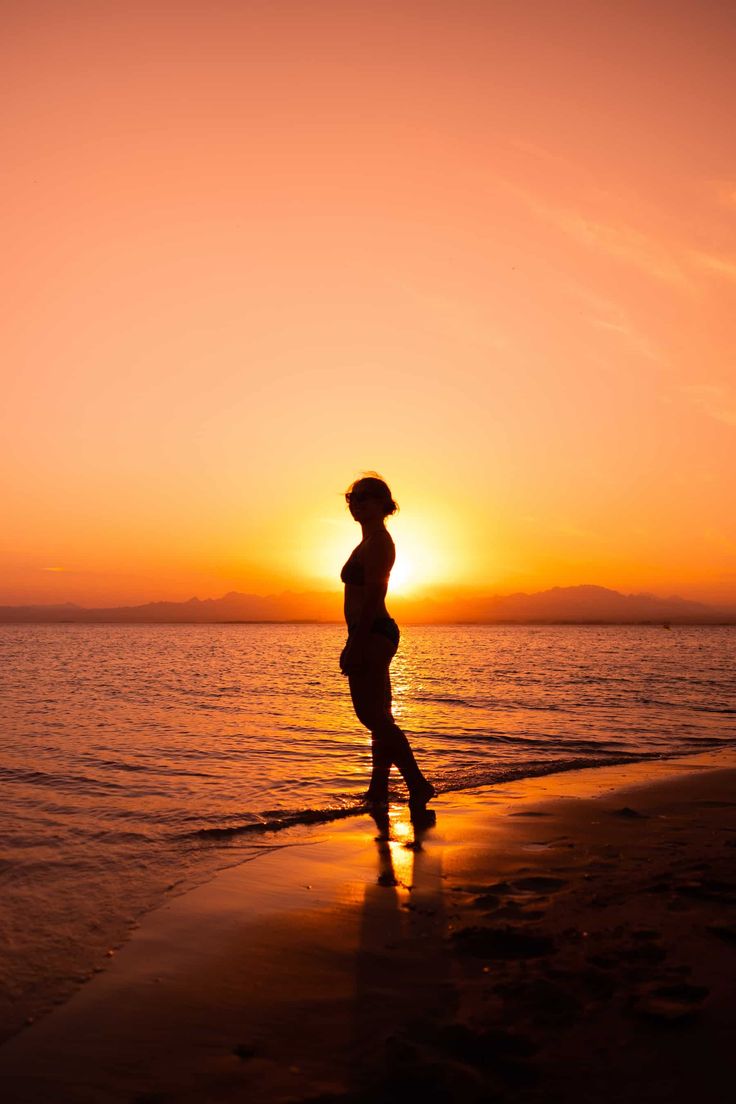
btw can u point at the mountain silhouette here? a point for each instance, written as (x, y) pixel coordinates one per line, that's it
(584, 604)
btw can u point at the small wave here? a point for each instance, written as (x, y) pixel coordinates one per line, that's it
(309, 729)
(115, 764)
(277, 821)
(58, 781)
(697, 742)
(472, 780)
(499, 704)
(446, 699)
(152, 768)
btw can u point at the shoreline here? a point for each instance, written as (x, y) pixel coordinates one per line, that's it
(465, 958)
(722, 621)
(310, 818)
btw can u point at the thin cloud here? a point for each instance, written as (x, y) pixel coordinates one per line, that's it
(723, 266)
(712, 399)
(725, 192)
(632, 337)
(609, 315)
(623, 242)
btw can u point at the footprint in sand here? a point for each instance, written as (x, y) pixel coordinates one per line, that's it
(495, 887)
(676, 1003)
(487, 901)
(546, 845)
(245, 1051)
(502, 898)
(533, 884)
(642, 953)
(724, 931)
(708, 889)
(501, 943)
(538, 884)
(507, 1054)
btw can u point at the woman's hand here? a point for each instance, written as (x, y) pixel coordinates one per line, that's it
(353, 655)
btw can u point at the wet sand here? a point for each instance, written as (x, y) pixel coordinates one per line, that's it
(571, 938)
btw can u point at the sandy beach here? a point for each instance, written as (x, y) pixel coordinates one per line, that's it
(568, 938)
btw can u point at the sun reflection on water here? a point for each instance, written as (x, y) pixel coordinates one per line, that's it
(401, 833)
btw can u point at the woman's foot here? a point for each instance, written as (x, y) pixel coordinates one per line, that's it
(420, 794)
(375, 796)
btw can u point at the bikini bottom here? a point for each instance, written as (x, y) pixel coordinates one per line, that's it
(384, 626)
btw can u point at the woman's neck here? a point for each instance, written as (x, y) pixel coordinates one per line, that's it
(370, 527)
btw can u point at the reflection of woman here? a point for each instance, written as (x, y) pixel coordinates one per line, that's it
(373, 637)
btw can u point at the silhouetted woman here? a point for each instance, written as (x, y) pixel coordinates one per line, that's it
(373, 637)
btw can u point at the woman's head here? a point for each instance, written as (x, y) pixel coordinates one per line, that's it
(370, 488)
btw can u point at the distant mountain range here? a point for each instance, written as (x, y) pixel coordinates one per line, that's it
(576, 604)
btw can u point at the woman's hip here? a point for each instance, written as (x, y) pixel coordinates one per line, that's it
(382, 626)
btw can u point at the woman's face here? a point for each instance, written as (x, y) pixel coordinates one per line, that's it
(365, 505)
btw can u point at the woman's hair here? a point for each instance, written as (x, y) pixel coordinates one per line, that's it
(372, 483)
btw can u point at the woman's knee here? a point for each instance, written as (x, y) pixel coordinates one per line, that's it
(376, 720)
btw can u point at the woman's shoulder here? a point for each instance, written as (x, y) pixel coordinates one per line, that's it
(380, 547)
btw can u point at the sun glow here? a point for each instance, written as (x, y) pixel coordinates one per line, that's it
(428, 552)
(403, 575)
(424, 556)
(418, 565)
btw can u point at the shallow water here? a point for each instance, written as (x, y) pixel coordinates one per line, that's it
(126, 750)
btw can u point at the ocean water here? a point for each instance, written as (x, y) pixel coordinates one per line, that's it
(136, 760)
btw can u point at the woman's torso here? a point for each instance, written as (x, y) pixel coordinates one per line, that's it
(353, 576)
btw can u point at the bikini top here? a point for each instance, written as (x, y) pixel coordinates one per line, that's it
(353, 572)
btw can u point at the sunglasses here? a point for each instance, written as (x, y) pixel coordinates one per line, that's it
(359, 496)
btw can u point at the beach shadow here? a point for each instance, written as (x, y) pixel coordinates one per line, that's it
(402, 965)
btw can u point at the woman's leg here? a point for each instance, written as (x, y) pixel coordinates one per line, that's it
(380, 754)
(370, 687)
(372, 704)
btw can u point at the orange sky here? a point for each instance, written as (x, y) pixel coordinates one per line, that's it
(252, 248)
